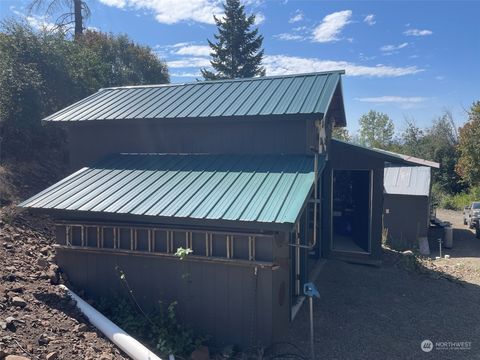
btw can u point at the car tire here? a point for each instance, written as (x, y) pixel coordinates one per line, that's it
(464, 222)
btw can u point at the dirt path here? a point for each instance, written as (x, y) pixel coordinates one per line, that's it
(386, 312)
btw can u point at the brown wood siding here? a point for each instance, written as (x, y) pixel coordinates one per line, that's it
(90, 142)
(235, 303)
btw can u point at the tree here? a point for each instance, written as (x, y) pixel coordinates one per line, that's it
(238, 52)
(77, 12)
(411, 140)
(42, 72)
(376, 130)
(468, 166)
(341, 133)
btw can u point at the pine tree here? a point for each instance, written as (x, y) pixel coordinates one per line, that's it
(237, 52)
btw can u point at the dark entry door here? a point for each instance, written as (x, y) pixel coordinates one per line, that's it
(350, 214)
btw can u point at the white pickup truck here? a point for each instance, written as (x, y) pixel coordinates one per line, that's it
(471, 214)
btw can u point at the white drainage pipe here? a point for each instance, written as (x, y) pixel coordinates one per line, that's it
(128, 344)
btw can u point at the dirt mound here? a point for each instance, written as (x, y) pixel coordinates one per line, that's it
(37, 320)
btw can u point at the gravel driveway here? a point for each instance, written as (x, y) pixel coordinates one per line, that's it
(386, 312)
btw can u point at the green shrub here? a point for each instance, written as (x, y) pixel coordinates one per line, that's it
(159, 330)
(459, 201)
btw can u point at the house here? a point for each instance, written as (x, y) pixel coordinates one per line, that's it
(407, 204)
(243, 172)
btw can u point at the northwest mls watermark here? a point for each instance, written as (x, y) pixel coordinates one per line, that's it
(428, 345)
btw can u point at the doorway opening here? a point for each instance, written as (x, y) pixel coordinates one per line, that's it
(351, 210)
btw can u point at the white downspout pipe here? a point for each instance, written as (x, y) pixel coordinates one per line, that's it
(128, 344)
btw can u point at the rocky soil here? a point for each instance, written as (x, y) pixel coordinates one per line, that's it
(37, 320)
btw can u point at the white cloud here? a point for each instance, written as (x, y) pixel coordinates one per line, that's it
(404, 102)
(287, 37)
(35, 21)
(393, 99)
(173, 11)
(185, 74)
(191, 62)
(331, 26)
(390, 48)
(192, 50)
(284, 65)
(116, 3)
(417, 32)
(297, 16)
(259, 18)
(370, 19)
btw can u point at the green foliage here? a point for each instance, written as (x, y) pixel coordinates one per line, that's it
(376, 130)
(459, 201)
(341, 133)
(468, 166)
(159, 330)
(42, 72)
(182, 253)
(237, 52)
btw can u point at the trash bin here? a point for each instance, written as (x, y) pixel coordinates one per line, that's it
(448, 243)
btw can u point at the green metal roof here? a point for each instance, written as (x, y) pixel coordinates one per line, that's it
(247, 188)
(388, 156)
(308, 95)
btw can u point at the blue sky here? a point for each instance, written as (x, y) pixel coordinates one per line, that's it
(409, 59)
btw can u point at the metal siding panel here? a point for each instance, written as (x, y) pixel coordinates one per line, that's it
(208, 111)
(159, 95)
(192, 99)
(276, 97)
(289, 96)
(230, 100)
(212, 97)
(104, 106)
(132, 101)
(232, 110)
(301, 95)
(77, 110)
(314, 94)
(183, 95)
(327, 94)
(253, 98)
(157, 104)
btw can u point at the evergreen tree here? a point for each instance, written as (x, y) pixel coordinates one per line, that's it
(237, 53)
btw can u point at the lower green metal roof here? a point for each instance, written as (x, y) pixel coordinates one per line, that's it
(248, 188)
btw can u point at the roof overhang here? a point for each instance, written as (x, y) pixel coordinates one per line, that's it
(267, 192)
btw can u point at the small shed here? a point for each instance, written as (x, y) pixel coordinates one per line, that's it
(407, 204)
(229, 169)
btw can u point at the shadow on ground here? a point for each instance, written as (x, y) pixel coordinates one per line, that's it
(386, 312)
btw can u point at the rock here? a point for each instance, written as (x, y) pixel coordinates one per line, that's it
(202, 353)
(44, 250)
(52, 356)
(9, 277)
(81, 328)
(16, 357)
(3, 326)
(18, 301)
(42, 262)
(43, 340)
(53, 276)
